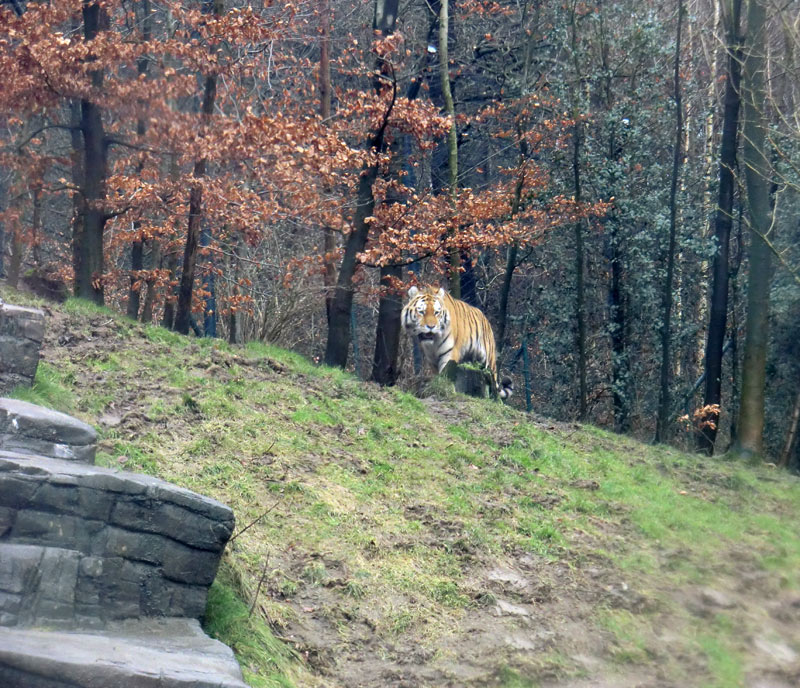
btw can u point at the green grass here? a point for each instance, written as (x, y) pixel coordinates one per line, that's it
(266, 661)
(406, 509)
(52, 388)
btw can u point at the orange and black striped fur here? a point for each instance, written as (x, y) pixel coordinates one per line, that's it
(450, 330)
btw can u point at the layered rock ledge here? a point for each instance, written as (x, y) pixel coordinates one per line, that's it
(122, 545)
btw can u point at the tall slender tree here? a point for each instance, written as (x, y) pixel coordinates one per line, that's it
(723, 221)
(89, 243)
(665, 398)
(452, 135)
(183, 313)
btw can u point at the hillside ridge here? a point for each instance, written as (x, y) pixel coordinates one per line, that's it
(442, 541)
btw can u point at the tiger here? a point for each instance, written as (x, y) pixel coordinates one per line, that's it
(450, 330)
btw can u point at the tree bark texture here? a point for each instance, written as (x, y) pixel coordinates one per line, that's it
(723, 221)
(620, 365)
(580, 276)
(89, 252)
(150, 294)
(387, 335)
(751, 406)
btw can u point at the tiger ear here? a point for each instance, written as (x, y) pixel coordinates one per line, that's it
(440, 293)
(412, 291)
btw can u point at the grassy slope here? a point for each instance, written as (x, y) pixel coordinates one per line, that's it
(386, 530)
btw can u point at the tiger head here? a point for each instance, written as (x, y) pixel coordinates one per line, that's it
(425, 316)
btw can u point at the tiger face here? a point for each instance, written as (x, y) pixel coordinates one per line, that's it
(425, 316)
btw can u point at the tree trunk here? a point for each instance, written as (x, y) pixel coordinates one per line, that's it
(137, 248)
(150, 296)
(791, 433)
(452, 139)
(580, 295)
(329, 236)
(338, 344)
(36, 224)
(183, 314)
(723, 221)
(665, 398)
(336, 350)
(15, 263)
(505, 292)
(751, 410)
(137, 263)
(3, 201)
(620, 372)
(168, 318)
(89, 252)
(387, 335)
(76, 163)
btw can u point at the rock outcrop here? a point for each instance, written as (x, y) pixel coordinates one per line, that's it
(103, 573)
(21, 334)
(31, 429)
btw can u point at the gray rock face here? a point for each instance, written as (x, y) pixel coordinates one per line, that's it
(29, 429)
(169, 653)
(120, 562)
(82, 545)
(21, 334)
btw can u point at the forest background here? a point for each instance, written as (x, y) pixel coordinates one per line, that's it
(615, 184)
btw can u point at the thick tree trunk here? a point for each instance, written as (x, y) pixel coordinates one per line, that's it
(168, 318)
(505, 292)
(580, 295)
(137, 263)
(3, 200)
(723, 221)
(387, 335)
(751, 410)
(15, 262)
(89, 252)
(339, 322)
(665, 398)
(76, 164)
(36, 225)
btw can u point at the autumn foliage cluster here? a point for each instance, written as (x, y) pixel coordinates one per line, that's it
(269, 158)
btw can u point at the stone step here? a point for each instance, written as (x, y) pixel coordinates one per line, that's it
(150, 653)
(30, 429)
